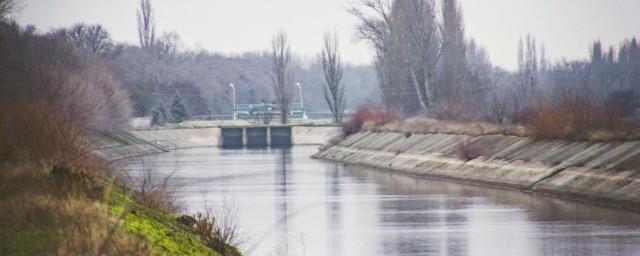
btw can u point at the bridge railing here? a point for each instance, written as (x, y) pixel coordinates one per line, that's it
(266, 110)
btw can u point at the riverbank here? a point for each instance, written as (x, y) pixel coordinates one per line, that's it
(600, 173)
(77, 208)
(64, 211)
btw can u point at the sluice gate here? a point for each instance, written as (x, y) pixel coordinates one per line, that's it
(256, 136)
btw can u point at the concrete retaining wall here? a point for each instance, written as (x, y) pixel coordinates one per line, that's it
(122, 145)
(603, 173)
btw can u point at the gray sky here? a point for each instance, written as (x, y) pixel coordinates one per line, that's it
(233, 26)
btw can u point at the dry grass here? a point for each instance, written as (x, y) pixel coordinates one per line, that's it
(431, 126)
(580, 118)
(149, 188)
(67, 208)
(218, 229)
(51, 186)
(368, 117)
(30, 130)
(576, 118)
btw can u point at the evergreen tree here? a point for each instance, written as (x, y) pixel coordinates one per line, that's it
(179, 111)
(159, 115)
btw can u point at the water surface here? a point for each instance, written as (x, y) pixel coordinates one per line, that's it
(290, 204)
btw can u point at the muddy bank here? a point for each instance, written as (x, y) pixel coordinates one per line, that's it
(602, 173)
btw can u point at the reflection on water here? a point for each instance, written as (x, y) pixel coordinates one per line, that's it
(290, 204)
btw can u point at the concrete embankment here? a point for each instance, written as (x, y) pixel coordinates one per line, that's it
(602, 173)
(122, 145)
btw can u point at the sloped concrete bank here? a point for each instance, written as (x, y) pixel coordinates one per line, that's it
(123, 145)
(601, 173)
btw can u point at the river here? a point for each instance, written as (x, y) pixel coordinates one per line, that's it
(286, 203)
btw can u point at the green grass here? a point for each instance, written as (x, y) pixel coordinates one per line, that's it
(35, 242)
(166, 235)
(162, 232)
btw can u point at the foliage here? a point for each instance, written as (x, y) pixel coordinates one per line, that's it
(179, 112)
(38, 133)
(166, 234)
(420, 59)
(93, 38)
(159, 115)
(625, 103)
(77, 86)
(375, 116)
(8, 8)
(54, 195)
(148, 188)
(59, 211)
(580, 117)
(218, 231)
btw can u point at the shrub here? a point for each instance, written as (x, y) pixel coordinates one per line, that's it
(468, 110)
(579, 117)
(623, 103)
(32, 130)
(76, 85)
(468, 150)
(218, 231)
(374, 116)
(149, 188)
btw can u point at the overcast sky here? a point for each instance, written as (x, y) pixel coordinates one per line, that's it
(234, 26)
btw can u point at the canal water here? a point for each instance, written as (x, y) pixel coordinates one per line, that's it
(286, 203)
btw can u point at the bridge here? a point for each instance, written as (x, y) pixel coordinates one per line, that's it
(265, 112)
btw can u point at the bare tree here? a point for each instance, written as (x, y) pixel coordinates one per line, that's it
(423, 45)
(169, 44)
(333, 71)
(8, 8)
(454, 86)
(146, 25)
(528, 77)
(93, 38)
(282, 73)
(376, 28)
(406, 39)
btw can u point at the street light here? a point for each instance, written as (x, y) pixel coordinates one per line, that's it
(304, 115)
(233, 109)
(300, 90)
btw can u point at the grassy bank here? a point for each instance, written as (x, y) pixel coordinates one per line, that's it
(61, 211)
(163, 232)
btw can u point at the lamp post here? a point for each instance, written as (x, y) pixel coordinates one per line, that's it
(304, 115)
(300, 91)
(233, 108)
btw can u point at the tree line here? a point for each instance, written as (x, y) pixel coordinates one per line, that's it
(426, 66)
(160, 69)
